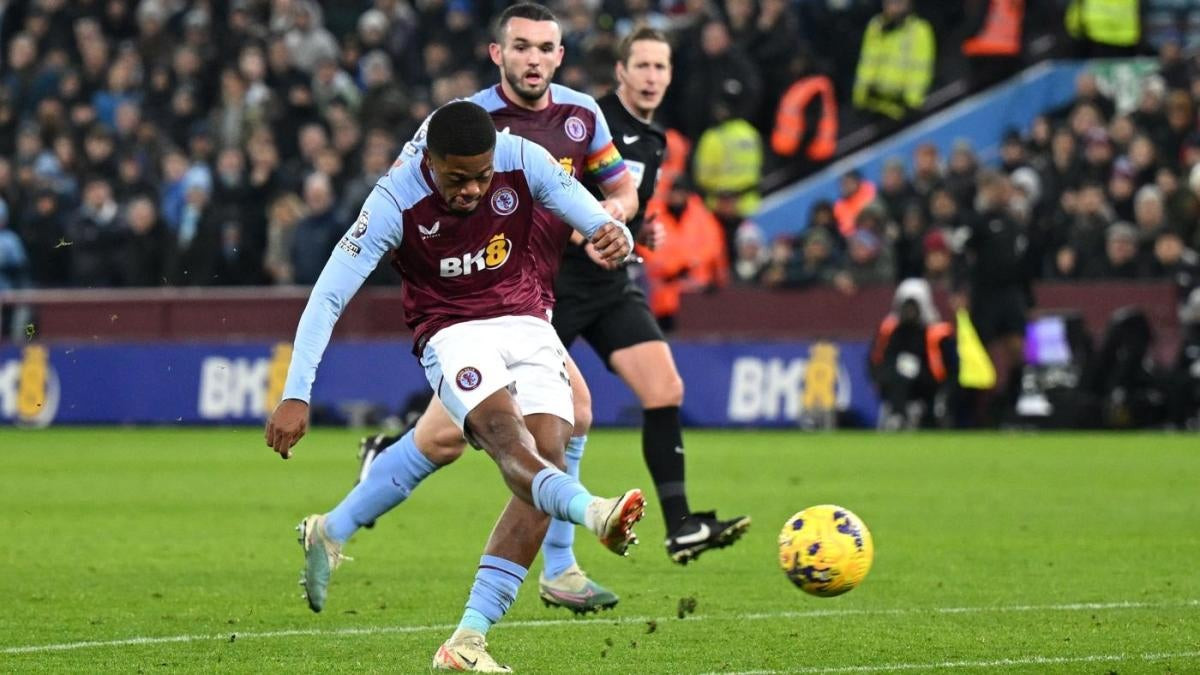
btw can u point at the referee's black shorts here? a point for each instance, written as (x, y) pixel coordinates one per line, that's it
(999, 313)
(608, 321)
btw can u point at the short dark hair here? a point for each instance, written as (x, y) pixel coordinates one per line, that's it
(522, 10)
(625, 49)
(460, 128)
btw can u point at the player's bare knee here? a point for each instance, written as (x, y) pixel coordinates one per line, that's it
(445, 449)
(665, 391)
(440, 445)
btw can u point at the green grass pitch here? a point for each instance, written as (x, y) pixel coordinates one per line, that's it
(173, 550)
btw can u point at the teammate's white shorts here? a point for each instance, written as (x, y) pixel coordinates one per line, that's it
(468, 362)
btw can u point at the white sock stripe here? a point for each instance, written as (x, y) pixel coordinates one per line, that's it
(376, 630)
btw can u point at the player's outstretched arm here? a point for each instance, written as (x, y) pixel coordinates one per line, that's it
(566, 197)
(376, 231)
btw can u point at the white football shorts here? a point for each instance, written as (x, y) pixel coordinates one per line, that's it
(468, 362)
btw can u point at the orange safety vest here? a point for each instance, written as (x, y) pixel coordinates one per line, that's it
(691, 258)
(934, 334)
(846, 211)
(1001, 34)
(674, 164)
(789, 121)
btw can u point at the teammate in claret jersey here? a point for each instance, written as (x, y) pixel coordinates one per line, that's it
(616, 322)
(457, 221)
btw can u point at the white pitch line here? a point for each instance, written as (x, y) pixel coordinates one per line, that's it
(993, 663)
(756, 616)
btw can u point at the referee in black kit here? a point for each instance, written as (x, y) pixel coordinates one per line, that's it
(601, 304)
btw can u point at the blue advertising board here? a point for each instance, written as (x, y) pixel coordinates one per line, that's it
(728, 383)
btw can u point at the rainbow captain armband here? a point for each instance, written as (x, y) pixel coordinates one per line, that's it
(605, 164)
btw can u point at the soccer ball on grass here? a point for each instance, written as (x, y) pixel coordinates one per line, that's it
(825, 550)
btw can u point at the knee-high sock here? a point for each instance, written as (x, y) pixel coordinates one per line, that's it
(561, 536)
(494, 590)
(662, 447)
(559, 495)
(393, 475)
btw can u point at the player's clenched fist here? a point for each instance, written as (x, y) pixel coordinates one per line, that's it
(286, 426)
(612, 242)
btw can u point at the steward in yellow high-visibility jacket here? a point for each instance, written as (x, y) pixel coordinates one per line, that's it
(895, 67)
(728, 161)
(1115, 23)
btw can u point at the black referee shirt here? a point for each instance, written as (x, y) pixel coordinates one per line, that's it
(641, 146)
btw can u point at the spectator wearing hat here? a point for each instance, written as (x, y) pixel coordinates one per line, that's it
(750, 254)
(307, 40)
(868, 263)
(938, 259)
(193, 249)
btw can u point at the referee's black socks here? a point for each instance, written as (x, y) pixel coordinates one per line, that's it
(662, 446)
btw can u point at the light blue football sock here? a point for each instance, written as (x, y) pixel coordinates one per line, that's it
(560, 495)
(494, 590)
(561, 536)
(393, 476)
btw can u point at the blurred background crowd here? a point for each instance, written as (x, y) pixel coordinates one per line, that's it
(214, 142)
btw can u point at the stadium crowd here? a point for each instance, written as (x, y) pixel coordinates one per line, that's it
(212, 142)
(205, 142)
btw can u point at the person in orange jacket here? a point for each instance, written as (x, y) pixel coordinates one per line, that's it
(692, 257)
(674, 164)
(995, 50)
(806, 123)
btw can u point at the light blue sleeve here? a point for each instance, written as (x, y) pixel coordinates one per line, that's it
(566, 197)
(377, 230)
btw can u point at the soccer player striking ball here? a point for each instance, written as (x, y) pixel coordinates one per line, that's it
(603, 305)
(457, 222)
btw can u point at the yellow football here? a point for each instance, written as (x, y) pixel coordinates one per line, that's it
(825, 550)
